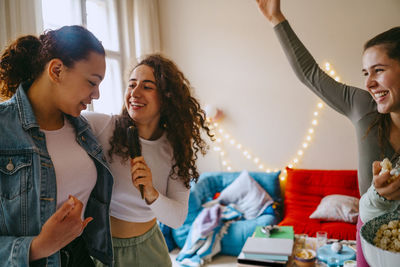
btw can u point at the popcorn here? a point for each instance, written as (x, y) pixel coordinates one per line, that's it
(387, 167)
(305, 254)
(387, 236)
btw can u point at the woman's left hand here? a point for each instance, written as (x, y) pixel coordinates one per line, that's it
(141, 175)
(390, 191)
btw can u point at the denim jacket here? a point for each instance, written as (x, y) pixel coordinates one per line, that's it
(28, 186)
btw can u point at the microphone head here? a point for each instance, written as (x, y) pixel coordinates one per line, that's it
(134, 147)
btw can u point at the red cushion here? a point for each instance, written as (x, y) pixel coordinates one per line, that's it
(303, 193)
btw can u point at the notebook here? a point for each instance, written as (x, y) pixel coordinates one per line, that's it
(274, 246)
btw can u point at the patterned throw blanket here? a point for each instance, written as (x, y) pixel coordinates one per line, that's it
(206, 232)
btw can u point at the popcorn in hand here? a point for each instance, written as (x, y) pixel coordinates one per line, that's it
(387, 167)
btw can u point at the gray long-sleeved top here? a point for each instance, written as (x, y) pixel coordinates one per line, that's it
(354, 103)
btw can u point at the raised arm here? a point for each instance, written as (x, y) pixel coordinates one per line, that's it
(271, 9)
(347, 100)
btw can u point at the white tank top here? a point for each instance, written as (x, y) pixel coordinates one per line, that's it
(75, 171)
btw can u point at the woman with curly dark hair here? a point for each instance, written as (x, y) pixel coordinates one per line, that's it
(169, 120)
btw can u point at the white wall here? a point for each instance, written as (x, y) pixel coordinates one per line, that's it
(230, 54)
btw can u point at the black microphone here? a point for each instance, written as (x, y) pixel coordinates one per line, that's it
(134, 148)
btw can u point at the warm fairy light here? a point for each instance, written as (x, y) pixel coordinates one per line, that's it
(327, 66)
(222, 136)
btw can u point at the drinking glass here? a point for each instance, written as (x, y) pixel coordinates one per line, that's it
(322, 237)
(300, 244)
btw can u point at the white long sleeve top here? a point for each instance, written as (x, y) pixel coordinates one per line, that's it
(170, 207)
(373, 205)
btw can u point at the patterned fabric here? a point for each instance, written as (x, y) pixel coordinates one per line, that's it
(206, 232)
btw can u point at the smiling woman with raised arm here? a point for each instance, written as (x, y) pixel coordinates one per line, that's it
(375, 112)
(159, 102)
(55, 187)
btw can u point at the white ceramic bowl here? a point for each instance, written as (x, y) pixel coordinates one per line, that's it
(377, 257)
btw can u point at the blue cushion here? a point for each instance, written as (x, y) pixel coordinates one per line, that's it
(213, 182)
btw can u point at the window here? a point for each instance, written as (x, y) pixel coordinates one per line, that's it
(100, 17)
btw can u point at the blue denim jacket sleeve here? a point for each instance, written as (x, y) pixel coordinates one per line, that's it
(14, 251)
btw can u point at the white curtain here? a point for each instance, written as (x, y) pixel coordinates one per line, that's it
(19, 17)
(139, 27)
(147, 28)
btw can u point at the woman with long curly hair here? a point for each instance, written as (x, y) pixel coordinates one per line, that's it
(169, 120)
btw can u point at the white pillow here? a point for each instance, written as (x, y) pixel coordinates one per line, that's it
(337, 208)
(251, 199)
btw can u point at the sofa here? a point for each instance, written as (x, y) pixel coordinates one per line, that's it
(304, 190)
(209, 185)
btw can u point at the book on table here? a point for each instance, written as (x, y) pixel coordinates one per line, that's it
(272, 250)
(284, 232)
(243, 261)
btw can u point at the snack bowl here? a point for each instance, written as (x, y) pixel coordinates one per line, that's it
(374, 255)
(305, 257)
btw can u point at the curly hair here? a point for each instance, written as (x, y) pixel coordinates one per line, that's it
(24, 59)
(179, 110)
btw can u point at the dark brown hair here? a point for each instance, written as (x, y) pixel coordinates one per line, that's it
(24, 59)
(390, 41)
(181, 118)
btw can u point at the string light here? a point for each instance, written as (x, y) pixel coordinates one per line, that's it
(222, 136)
